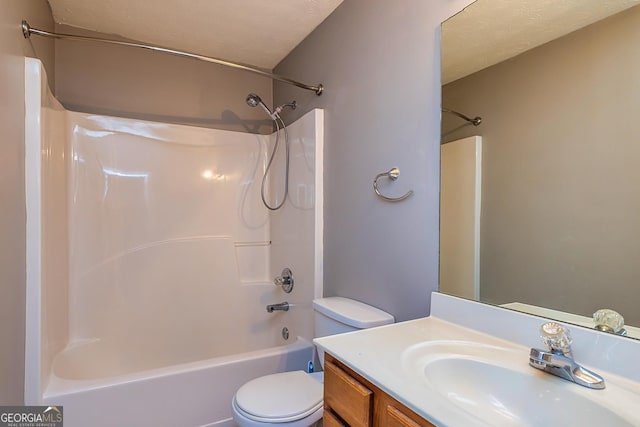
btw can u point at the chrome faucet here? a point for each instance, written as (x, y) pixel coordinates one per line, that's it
(283, 306)
(558, 360)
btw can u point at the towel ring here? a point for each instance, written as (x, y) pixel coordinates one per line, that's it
(393, 174)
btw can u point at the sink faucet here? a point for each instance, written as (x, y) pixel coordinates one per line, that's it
(283, 306)
(558, 360)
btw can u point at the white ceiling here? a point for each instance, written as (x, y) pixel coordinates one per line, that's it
(252, 32)
(262, 32)
(490, 31)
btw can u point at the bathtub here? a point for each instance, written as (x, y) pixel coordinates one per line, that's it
(150, 261)
(185, 395)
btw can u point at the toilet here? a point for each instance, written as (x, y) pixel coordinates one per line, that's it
(294, 399)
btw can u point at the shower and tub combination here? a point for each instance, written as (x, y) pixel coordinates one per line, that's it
(151, 258)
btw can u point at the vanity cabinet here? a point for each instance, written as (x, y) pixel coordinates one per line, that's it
(351, 400)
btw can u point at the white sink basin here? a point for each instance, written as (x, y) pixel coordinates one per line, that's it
(497, 386)
(456, 375)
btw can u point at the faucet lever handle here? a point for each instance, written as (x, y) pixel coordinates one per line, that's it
(285, 280)
(556, 337)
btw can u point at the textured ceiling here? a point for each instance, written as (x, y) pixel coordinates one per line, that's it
(490, 31)
(253, 32)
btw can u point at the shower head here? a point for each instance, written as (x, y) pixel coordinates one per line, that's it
(254, 100)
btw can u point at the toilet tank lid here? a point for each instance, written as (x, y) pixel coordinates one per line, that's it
(351, 312)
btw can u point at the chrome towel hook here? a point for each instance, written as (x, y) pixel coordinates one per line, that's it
(393, 174)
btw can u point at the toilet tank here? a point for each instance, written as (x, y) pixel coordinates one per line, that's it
(337, 315)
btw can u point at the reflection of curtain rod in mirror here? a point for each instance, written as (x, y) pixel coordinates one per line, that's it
(475, 121)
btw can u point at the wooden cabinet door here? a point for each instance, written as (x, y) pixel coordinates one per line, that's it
(397, 418)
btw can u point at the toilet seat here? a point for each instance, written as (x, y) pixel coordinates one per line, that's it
(280, 398)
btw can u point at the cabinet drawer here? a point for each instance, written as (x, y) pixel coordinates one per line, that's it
(330, 420)
(347, 397)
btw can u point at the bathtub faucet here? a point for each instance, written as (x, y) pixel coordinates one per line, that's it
(283, 306)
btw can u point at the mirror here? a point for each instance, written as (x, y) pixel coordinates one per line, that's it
(557, 88)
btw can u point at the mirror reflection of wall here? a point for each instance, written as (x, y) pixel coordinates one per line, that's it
(560, 218)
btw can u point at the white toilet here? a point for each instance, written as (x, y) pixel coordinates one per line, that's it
(294, 399)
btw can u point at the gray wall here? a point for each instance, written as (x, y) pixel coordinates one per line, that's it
(379, 62)
(561, 191)
(13, 48)
(135, 83)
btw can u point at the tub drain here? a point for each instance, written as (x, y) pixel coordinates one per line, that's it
(285, 333)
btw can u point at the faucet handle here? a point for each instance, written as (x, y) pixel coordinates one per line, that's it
(285, 280)
(556, 337)
(609, 321)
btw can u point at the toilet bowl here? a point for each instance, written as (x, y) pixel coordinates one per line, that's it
(294, 399)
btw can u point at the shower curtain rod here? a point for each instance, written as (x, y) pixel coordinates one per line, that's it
(475, 121)
(27, 30)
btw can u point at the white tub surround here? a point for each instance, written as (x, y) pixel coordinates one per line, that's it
(388, 356)
(151, 260)
(47, 255)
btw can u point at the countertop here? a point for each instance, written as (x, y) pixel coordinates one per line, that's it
(377, 355)
(381, 354)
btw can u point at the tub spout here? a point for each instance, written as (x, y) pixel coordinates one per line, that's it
(283, 306)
